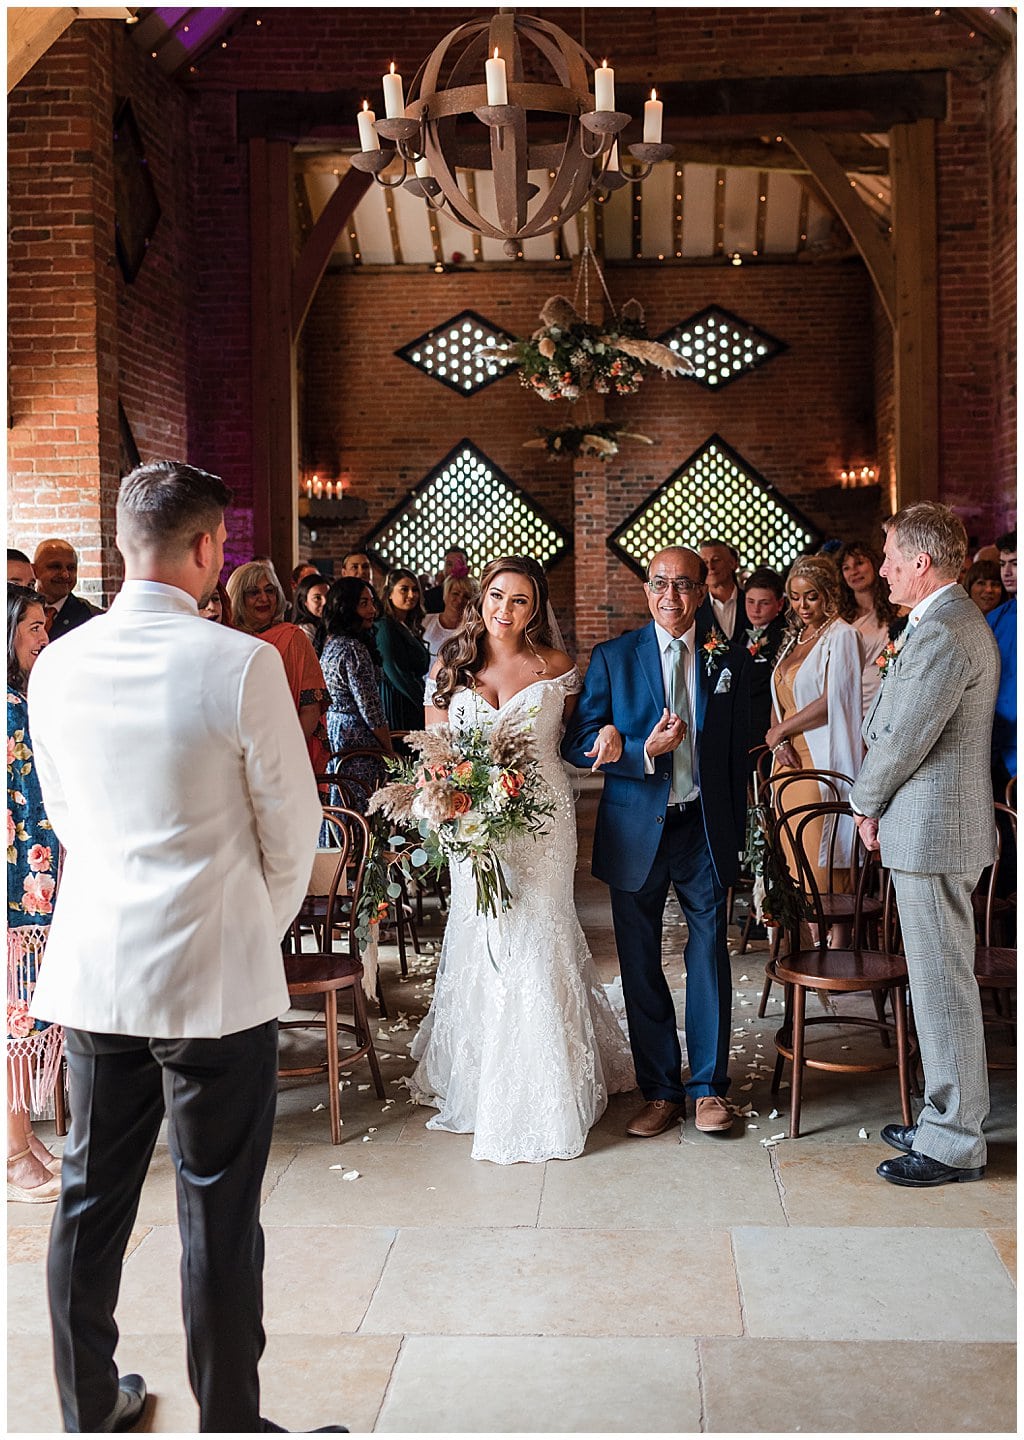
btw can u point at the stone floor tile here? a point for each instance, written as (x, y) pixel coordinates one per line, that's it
(531, 1383)
(823, 1283)
(27, 1312)
(557, 1282)
(774, 1386)
(330, 1380)
(663, 1184)
(32, 1405)
(316, 1281)
(403, 1185)
(1005, 1242)
(822, 1180)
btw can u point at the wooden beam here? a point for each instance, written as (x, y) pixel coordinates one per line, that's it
(317, 250)
(829, 175)
(274, 388)
(916, 328)
(31, 30)
(999, 26)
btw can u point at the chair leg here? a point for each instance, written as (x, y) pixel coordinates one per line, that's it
(773, 954)
(382, 1003)
(878, 996)
(785, 1034)
(363, 1024)
(903, 1069)
(748, 925)
(764, 996)
(60, 1115)
(799, 999)
(400, 935)
(333, 1066)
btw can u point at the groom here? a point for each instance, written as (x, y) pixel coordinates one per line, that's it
(666, 713)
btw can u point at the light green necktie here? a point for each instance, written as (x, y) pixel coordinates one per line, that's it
(679, 704)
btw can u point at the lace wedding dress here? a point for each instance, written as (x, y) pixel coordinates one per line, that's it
(523, 1052)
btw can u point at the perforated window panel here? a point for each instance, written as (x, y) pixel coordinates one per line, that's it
(717, 494)
(720, 346)
(466, 500)
(448, 353)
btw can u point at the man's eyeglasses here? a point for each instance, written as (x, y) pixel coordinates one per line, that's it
(660, 583)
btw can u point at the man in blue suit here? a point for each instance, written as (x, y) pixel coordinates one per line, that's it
(665, 712)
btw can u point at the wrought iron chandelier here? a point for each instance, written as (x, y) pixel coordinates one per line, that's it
(433, 134)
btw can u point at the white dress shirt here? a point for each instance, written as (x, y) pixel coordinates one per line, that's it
(689, 659)
(725, 613)
(917, 614)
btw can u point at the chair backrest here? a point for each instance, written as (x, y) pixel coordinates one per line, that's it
(348, 832)
(802, 827)
(833, 787)
(987, 894)
(1011, 794)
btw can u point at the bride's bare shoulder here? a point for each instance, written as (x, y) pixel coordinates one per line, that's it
(556, 662)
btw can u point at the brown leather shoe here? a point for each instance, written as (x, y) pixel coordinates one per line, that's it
(654, 1118)
(713, 1114)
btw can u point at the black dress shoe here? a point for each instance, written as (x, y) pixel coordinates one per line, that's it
(900, 1137)
(268, 1425)
(131, 1401)
(917, 1169)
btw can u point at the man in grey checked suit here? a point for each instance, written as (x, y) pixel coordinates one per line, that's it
(924, 796)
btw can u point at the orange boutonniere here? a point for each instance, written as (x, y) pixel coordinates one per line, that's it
(888, 655)
(715, 645)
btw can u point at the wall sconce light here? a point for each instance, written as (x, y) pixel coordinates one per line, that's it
(325, 502)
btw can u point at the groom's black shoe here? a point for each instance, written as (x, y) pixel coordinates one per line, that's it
(655, 1118)
(131, 1401)
(900, 1137)
(917, 1169)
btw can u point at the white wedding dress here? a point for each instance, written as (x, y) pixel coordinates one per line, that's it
(523, 1052)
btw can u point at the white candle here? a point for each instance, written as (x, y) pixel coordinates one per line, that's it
(652, 120)
(604, 87)
(613, 158)
(366, 119)
(497, 89)
(423, 168)
(394, 97)
(309, 489)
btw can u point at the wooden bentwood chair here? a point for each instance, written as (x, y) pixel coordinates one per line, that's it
(995, 966)
(334, 964)
(857, 969)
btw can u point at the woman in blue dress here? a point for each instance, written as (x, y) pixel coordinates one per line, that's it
(404, 654)
(33, 1046)
(351, 666)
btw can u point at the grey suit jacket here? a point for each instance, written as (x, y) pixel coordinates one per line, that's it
(929, 737)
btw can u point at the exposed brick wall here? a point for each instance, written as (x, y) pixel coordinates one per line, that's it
(79, 336)
(1002, 115)
(373, 418)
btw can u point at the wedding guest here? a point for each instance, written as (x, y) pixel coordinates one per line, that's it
(357, 565)
(218, 607)
(308, 607)
(864, 603)
(724, 602)
(984, 585)
(456, 565)
(1007, 546)
(816, 697)
(1003, 624)
(764, 596)
(34, 1047)
(56, 569)
(19, 570)
(404, 656)
(458, 591)
(351, 666)
(304, 568)
(258, 605)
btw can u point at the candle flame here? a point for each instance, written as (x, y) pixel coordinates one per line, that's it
(654, 94)
(495, 52)
(392, 67)
(366, 104)
(604, 64)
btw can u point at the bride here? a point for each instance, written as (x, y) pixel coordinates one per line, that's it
(523, 1051)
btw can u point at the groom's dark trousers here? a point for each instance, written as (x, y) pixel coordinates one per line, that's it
(219, 1097)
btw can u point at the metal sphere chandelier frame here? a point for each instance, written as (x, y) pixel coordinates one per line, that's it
(434, 138)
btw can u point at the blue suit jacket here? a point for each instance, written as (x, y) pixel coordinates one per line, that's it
(624, 687)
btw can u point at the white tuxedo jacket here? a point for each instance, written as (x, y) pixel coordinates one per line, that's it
(175, 773)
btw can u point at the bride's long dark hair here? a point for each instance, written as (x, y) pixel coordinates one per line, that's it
(462, 656)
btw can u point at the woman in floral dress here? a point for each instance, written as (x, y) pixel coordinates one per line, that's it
(33, 1046)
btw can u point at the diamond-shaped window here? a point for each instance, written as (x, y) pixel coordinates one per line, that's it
(716, 493)
(466, 500)
(448, 352)
(720, 346)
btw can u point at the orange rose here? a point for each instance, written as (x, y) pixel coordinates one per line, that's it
(512, 781)
(464, 771)
(459, 803)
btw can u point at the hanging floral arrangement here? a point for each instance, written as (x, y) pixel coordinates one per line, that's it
(600, 441)
(569, 355)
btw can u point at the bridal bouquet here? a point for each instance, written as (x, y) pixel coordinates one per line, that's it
(468, 793)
